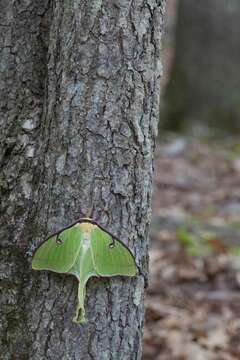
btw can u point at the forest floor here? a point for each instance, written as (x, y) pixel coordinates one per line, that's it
(193, 299)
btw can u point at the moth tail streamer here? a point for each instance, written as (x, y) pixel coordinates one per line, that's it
(79, 317)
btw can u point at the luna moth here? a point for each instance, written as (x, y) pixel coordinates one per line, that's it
(84, 249)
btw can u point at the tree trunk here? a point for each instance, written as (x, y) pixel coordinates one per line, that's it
(79, 104)
(204, 86)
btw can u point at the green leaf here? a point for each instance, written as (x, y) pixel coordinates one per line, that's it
(235, 250)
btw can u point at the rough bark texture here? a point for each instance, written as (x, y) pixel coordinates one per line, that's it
(204, 85)
(79, 83)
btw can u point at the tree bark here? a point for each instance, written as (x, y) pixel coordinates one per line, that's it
(204, 86)
(79, 106)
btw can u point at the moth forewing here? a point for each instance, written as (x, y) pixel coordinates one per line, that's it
(111, 260)
(58, 256)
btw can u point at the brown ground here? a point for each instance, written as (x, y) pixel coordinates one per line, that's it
(193, 301)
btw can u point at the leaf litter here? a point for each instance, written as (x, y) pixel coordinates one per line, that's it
(192, 307)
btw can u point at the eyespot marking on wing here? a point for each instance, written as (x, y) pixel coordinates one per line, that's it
(58, 240)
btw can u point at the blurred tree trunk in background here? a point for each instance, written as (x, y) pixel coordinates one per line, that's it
(79, 101)
(204, 85)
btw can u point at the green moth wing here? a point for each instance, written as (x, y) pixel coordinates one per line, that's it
(86, 270)
(111, 258)
(59, 252)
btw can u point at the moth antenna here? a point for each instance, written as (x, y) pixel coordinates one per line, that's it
(89, 213)
(91, 197)
(92, 192)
